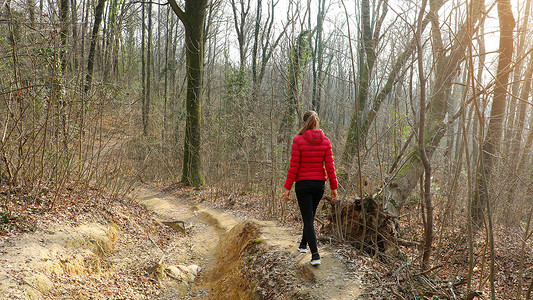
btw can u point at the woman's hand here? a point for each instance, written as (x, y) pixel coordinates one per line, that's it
(286, 195)
(333, 195)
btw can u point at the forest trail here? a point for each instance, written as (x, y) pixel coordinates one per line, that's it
(331, 280)
(108, 248)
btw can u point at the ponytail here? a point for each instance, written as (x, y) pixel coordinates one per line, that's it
(310, 121)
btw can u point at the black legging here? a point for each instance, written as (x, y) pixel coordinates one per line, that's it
(309, 193)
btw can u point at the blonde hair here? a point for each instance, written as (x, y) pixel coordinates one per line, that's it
(310, 121)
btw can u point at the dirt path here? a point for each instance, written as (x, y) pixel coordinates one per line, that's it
(116, 249)
(331, 280)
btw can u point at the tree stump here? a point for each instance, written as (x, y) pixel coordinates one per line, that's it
(372, 226)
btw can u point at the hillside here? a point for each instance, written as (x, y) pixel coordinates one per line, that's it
(133, 248)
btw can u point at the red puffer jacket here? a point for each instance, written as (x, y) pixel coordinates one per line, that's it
(311, 157)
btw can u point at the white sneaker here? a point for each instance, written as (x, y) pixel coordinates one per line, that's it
(302, 250)
(315, 259)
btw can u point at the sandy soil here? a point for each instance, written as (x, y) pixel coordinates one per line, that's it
(331, 280)
(100, 259)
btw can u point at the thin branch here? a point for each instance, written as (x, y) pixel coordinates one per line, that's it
(178, 11)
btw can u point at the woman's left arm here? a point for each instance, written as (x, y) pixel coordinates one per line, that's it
(330, 168)
(294, 165)
(286, 195)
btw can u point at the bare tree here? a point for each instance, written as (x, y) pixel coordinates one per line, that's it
(491, 143)
(241, 21)
(264, 44)
(144, 114)
(193, 18)
(406, 178)
(64, 13)
(512, 114)
(298, 60)
(74, 17)
(370, 39)
(428, 206)
(318, 56)
(98, 11)
(147, 97)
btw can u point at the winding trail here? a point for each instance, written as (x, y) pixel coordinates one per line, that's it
(205, 226)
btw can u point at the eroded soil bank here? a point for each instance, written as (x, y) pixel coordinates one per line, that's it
(258, 259)
(161, 246)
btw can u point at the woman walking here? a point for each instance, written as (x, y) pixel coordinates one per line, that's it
(311, 165)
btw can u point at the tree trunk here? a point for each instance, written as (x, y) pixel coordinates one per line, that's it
(147, 98)
(98, 11)
(368, 59)
(406, 179)
(255, 45)
(111, 35)
(426, 189)
(512, 115)
(477, 102)
(57, 82)
(165, 91)
(64, 8)
(527, 148)
(491, 143)
(240, 23)
(516, 165)
(267, 49)
(144, 115)
(299, 57)
(193, 19)
(74, 17)
(318, 58)
(370, 115)
(522, 107)
(84, 26)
